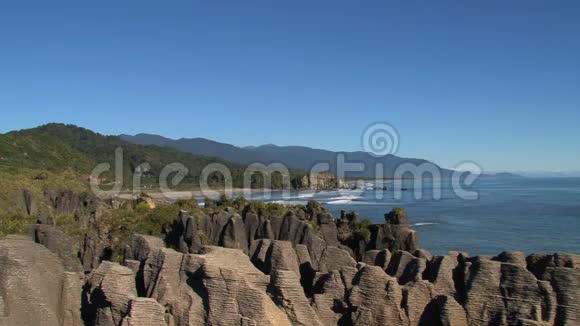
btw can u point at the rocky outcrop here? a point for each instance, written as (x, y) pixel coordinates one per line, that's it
(395, 234)
(218, 286)
(86, 211)
(111, 288)
(406, 267)
(561, 273)
(251, 266)
(416, 298)
(442, 273)
(446, 312)
(35, 288)
(185, 234)
(319, 181)
(376, 298)
(381, 258)
(504, 293)
(67, 248)
(144, 311)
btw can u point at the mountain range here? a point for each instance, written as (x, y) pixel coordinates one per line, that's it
(56, 148)
(294, 157)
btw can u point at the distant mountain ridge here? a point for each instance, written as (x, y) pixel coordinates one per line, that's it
(294, 157)
(57, 148)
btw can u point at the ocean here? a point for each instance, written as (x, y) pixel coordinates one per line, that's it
(532, 215)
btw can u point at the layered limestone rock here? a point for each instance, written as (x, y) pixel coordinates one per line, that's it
(111, 288)
(331, 294)
(144, 311)
(376, 299)
(447, 312)
(395, 234)
(86, 210)
(67, 248)
(381, 258)
(219, 286)
(565, 283)
(279, 270)
(441, 272)
(35, 288)
(406, 267)
(504, 293)
(416, 298)
(319, 181)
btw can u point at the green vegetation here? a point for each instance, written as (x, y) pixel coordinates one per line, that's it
(240, 202)
(57, 147)
(397, 211)
(362, 230)
(58, 157)
(69, 225)
(21, 186)
(344, 232)
(351, 229)
(123, 223)
(188, 205)
(224, 201)
(13, 223)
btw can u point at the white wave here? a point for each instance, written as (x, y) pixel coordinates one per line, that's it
(304, 195)
(424, 223)
(339, 202)
(344, 198)
(353, 202)
(290, 202)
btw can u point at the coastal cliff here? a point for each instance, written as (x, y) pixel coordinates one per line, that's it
(250, 263)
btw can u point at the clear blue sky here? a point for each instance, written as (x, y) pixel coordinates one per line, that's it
(497, 82)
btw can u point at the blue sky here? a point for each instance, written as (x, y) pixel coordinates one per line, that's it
(497, 82)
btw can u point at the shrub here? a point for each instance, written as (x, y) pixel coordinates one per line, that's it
(13, 224)
(208, 202)
(225, 201)
(344, 233)
(142, 207)
(398, 211)
(312, 205)
(240, 202)
(125, 222)
(275, 209)
(68, 224)
(255, 206)
(203, 238)
(315, 226)
(188, 205)
(362, 229)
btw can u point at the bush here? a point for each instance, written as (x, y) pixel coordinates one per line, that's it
(275, 209)
(188, 205)
(203, 238)
(344, 233)
(240, 202)
(315, 226)
(68, 224)
(312, 205)
(13, 224)
(208, 202)
(125, 222)
(225, 201)
(348, 232)
(142, 207)
(362, 229)
(255, 206)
